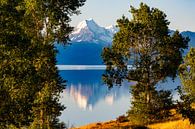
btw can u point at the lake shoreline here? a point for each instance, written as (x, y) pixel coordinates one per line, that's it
(174, 122)
(89, 97)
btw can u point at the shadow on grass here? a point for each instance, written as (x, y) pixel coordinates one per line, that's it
(131, 127)
(139, 127)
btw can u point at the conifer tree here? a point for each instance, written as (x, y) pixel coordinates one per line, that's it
(187, 73)
(145, 43)
(29, 80)
(187, 90)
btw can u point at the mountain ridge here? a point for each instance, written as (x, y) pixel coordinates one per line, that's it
(89, 31)
(86, 47)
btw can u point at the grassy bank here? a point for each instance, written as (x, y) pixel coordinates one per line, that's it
(176, 124)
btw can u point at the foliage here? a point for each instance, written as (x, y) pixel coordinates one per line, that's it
(144, 113)
(145, 43)
(122, 119)
(187, 73)
(187, 91)
(29, 80)
(184, 106)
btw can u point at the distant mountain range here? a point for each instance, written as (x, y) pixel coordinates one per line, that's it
(83, 53)
(191, 35)
(87, 41)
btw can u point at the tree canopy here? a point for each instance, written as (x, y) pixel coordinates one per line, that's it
(29, 80)
(187, 73)
(187, 90)
(144, 42)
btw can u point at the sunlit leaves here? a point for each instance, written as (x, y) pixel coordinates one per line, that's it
(29, 80)
(187, 73)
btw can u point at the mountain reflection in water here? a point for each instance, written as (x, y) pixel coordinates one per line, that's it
(89, 100)
(88, 95)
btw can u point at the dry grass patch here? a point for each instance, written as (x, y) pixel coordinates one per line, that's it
(179, 124)
(106, 125)
(175, 122)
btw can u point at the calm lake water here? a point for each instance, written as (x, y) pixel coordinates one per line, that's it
(88, 100)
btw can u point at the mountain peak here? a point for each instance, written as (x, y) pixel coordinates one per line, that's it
(90, 20)
(89, 31)
(86, 23)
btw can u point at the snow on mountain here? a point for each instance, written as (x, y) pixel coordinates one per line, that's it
(113, 29)
(90, 31)
(94, 38)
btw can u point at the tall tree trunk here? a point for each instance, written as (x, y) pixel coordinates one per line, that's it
(41, 119)
(48, 123)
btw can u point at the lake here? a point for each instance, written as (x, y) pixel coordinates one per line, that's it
(88, 99)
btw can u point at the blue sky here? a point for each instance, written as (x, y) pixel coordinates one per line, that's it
(181, 13)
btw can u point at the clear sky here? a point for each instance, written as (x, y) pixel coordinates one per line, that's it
(181, 13)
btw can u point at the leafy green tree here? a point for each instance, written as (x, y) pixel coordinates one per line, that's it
(184, 106)
(15, 68)
(187, 73)
(29, 80)
(144, 113)
(145, 43)
(187, 91)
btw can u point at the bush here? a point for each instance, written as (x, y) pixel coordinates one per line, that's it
(122, 119)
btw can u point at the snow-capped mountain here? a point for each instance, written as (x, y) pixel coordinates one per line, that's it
(90, 31)
(113, 29)
(88, 39)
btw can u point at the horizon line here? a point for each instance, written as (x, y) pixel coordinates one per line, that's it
(84, 67)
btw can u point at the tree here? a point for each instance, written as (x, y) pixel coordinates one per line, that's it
(187, 91)
(29, 80)
(187, 73)
(15, 68)
(145, 43)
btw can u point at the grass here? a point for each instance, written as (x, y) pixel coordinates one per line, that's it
(179, 124)
(176, 124)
